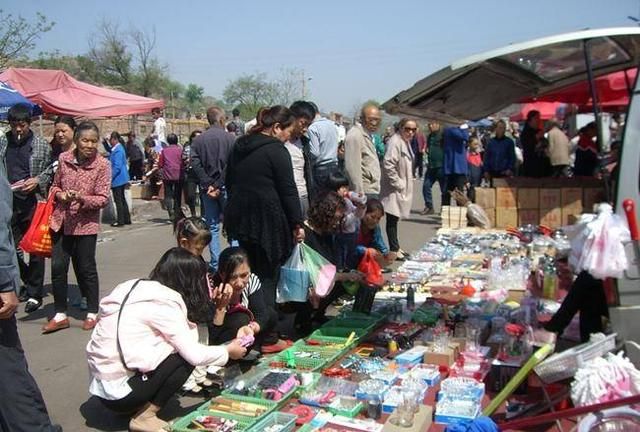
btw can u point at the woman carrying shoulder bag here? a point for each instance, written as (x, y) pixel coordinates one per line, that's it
(145, 344)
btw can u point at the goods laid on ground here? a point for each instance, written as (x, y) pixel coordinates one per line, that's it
(450, 337)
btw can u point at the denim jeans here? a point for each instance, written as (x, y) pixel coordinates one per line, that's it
(213, 209)
(433, 175)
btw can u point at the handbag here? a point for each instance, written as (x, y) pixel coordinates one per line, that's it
(124, 300)
(37, 239)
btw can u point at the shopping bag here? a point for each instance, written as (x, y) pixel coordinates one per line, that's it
(37, 239)
(294, 282)
(321, 271)
(371, 270)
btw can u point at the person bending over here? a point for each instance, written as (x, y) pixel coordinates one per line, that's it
(145, 343)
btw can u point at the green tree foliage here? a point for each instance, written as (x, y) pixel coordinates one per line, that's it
(18, 36)
(250, 93)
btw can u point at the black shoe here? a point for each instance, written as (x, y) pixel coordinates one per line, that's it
(32, 305)
(24, 295)
(117, 225)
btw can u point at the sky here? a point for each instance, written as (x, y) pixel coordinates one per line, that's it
(351, 50)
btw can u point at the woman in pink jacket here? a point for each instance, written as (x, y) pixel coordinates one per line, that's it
(81, 188)
(145, 343)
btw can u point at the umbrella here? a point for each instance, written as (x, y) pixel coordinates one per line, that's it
(10, 97)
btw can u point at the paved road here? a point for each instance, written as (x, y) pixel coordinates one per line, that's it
(58, 360)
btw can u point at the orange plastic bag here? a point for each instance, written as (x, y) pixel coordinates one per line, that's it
(37, 239)
(371, 270)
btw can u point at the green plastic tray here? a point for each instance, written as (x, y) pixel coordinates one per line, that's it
(323, 354)
(286, 421)
(341, 332)
(373, 316)
(269, 405)
(351, 323)
(303, 364)
(253, 377)
(347, 413)
(182, 425)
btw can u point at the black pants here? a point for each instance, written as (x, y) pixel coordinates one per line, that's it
(321, 176)
(22, 408)
(136, 170)
(587, 297)
(156, 387)
(392, 232)
(418, 164)
(32, 274)
(226, 332)
(173, 198)
(454, 181)
(191, 191)
(81, 251)
(268, 273)
(122, 209)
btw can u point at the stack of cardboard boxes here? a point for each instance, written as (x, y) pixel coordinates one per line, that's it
(550, 202)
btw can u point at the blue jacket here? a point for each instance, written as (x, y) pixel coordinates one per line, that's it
(455, 151)
(119, 171)
(500, 155)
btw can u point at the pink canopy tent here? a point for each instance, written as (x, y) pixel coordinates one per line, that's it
(59, 93)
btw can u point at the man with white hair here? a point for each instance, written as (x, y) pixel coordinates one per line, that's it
(362, 165)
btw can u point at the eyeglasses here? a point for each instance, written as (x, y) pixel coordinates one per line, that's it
(408, 129)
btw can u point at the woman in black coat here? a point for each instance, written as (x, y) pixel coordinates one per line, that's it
(263, 209)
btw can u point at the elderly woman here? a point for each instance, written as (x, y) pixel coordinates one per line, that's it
(81, 188)
(396, 186)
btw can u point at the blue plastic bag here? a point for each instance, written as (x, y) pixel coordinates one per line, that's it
(294, 282)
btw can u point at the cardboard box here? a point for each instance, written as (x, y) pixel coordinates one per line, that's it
(446, 358)
(454, 217)
(136, 191)
(506, 217)
(506, 197)
(499, 182)
(591, 197)
(571, 197)
(551, 217)
(491, 214)
(570, 215)
(550, 198)
(528, 198)
(527, 216)
(486, 198)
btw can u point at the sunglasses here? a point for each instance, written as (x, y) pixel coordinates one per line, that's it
(408, 129)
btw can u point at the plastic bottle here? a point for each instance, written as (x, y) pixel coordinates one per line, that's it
(411, 298)
(549, 285)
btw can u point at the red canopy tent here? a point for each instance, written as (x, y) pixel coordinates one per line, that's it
(59, 93)
(547, 110)
(612, 90)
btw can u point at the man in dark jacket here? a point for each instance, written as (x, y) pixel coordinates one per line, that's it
(535, 161)
(435, 167)
(209, 154)
(26, 161)
(21, 405)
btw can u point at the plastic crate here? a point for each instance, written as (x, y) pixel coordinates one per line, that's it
(352, 323)
(565, 364)
(253, 377)
(328, 342)
(351, 413)
(302, 364)
(328, 354)
(182, 425)
(270, 406)
(286, 421)
(373, 316)
(341, 332)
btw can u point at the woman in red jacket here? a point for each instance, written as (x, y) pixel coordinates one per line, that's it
(81, 188)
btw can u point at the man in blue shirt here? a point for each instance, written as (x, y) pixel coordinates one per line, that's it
(323, 147)
(500, 154)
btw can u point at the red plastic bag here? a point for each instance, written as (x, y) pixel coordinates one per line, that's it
(37, 239)
(371, 270)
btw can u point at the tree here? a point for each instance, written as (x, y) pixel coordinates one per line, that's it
(18, 36)
(150, 73)
(109, 51)
(193, 97)
(290, 86)
(250, 93)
